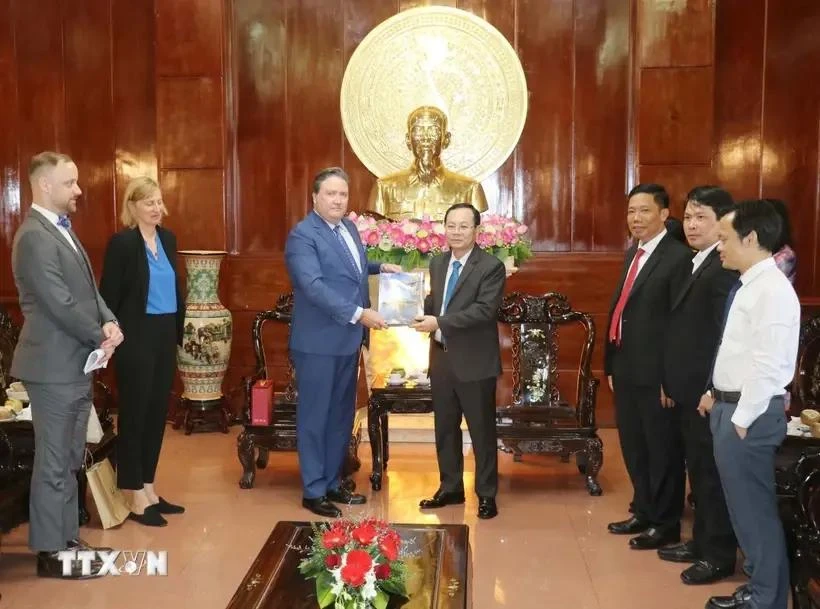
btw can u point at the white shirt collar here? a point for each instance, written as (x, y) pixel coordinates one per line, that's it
(757, 269)
(698, 259)
(330, 224)
(650, 245)
(463, 259)
(49, 215)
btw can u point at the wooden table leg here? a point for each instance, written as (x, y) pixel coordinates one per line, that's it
(375, 432)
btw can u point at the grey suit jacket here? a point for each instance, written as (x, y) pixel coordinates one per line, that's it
(63, 310)
(470, 324)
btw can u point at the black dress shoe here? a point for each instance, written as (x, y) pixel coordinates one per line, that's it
(487, 508)
(440, 499)
(630, 526)
(341, 495)
(163, 507)
(49, 564)
(652, 539)
(81, 544)
(680, 552)
(321, 507)
(739, 600)
(150, 517)
(704, 572)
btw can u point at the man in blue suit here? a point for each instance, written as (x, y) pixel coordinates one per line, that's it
(331, 316)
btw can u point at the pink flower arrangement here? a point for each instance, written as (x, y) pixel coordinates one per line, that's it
(412, 243)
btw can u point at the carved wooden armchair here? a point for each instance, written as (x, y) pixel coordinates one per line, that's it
(256, 441)
(539, 420)
(806, 384)
(803, 534)
(17, 441)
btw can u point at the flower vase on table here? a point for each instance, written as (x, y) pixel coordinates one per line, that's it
(356, 565)
(206, 343)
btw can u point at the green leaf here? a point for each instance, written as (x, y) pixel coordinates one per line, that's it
(323, 589)
(391, 586)
(381, 600)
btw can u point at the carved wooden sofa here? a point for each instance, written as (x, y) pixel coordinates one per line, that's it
(256, 441)
(539, 420)
(17, 442)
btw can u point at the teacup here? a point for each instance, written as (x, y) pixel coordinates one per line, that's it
(396, 378)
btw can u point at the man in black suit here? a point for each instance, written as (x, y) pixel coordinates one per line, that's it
(467, 285)
(695, 325)
(648, 421)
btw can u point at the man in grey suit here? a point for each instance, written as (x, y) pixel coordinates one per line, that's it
(467, 285)
(65, 320)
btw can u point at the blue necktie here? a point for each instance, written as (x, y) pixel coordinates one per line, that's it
(64, 222)
(451, 284)
(729, 299)
(338, 232)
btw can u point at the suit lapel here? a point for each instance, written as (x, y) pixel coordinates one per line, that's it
(438, 288)
(354, 232)
(327, 234)
(78, 254)
(141, 259)
(690, 280)
(649, 266)
(472, 262)
(630, 255)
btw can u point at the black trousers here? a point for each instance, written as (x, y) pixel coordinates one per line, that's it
(652, 448)
(476, 401)
(145, 367)
(712, 533)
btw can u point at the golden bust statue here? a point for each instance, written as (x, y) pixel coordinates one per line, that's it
(426, 187)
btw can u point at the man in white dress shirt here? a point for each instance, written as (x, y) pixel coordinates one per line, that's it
(754, 363)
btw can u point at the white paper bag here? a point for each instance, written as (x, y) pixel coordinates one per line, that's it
(94, 432)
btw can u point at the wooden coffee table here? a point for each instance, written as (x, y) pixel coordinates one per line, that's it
(439, 569)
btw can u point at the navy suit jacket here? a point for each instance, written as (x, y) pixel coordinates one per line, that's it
(326, 290)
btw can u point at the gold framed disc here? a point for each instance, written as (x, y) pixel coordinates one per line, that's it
(437, 56)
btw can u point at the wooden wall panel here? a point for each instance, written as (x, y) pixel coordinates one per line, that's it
(545, 147)
(675, 116)
(314, 77)
(90, 119)
(134, 92)
(9, 165)
(790, 124)
(601, 138)
(739, 95)
(189, 113)
(195, 206)
(677, 33)
(189, 35)
(261, 56)
(41, 119)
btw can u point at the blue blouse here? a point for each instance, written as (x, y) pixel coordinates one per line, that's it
(162, 286)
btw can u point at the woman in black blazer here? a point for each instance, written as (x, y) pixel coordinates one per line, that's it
(140, 285)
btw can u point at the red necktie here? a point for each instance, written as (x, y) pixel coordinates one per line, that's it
(615, 324)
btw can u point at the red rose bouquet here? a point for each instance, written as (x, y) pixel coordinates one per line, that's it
(356, 564)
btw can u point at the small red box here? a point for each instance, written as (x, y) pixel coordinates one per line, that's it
(261, 402)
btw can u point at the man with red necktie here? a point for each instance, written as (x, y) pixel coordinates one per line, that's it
(648, 421)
